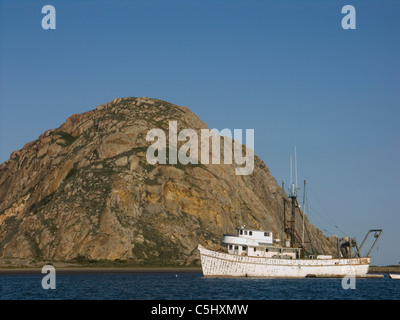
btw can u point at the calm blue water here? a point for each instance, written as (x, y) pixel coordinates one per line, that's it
(191, 286)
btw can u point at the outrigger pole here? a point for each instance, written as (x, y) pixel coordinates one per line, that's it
(377, 234)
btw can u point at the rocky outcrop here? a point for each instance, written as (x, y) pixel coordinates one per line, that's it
(86, 190)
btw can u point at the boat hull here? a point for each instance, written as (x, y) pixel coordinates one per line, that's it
(219, 264)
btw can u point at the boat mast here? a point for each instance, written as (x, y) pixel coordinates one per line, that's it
(295, 167)
(283, 212)
(292, 220)
(293, 197)
(304, 212)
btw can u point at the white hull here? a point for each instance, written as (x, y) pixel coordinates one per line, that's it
(394, 276)
(219, 264)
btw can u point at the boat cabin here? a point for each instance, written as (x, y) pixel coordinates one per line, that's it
(254, 243)
(264, 237)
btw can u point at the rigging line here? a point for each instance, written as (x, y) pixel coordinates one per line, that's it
(318, 217)
(322, 206)
(345, 233)
(318, 225)
(316, 212)
(326, 212)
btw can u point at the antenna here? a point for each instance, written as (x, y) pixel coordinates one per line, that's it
(295, 168)
(291, 169)
(294, 203)
(293, 184)
(283, 212)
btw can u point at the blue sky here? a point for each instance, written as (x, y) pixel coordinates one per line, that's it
(286, 69)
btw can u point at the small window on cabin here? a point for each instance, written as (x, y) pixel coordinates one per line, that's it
(244, 248)
(250, 233)
(241, 232)
(236, 247)
(266, 250)
(245, 232)
(266, 234)
(255, 249)
(230, 247)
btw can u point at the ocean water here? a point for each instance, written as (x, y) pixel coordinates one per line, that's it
(191, 286)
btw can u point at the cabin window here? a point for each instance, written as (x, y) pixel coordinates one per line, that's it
(244, 248)
(266, 250)
(240, 232)
(250, 233)
(236, 247)
(245, 232)
(255, 249)
(230, 247)
(266, 234)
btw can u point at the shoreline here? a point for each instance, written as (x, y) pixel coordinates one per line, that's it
(384, 269)
(98, 270)
(120, 270)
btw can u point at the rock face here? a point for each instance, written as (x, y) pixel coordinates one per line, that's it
(87, 190)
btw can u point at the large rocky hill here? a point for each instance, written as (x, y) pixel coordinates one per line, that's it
(86, 191)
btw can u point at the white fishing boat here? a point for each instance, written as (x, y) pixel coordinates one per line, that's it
(254, 253)
(394, 276)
